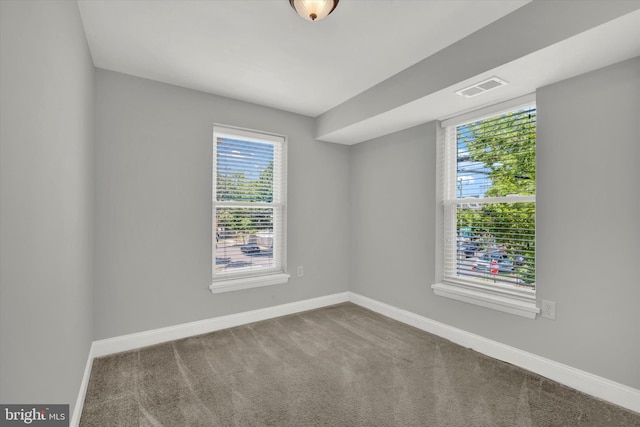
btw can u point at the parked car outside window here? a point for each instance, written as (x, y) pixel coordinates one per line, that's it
(504, 263)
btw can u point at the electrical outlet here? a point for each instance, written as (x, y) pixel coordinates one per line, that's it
(300, 271)
(548, 309)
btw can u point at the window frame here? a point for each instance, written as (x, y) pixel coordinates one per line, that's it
(505, 298)
(246, 279)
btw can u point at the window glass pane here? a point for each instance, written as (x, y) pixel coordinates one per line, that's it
(249, 204)
(244, 171)
(496, 156)
(490, 235)
(244, 239)
(496, 243)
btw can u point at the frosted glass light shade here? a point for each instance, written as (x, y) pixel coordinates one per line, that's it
(313, 10)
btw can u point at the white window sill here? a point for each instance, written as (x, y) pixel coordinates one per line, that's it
(238, 284)
(517, 305)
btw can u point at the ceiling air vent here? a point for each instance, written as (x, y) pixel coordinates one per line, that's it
(482, 87)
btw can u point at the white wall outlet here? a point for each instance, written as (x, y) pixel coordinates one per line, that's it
(548, 309)
(300, 271)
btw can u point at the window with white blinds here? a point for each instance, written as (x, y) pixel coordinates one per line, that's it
(489, 185)
(249, 209)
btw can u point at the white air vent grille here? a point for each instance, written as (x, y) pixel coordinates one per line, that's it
(482, 87)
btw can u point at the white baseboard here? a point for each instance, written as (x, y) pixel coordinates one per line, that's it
(157, 336)
(77, 409)
(585, 382)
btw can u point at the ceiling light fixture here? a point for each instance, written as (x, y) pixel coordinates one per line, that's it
(313, 10)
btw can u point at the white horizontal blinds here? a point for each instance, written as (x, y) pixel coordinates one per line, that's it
(490, 200)
(497, 243)
(245, 171)
(496, 156)
(279, 202)
(249, 203)
(448, 166)
(449, 156)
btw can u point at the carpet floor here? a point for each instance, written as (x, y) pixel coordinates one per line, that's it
(336, 366)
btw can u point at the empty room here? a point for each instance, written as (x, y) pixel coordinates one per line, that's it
(320, 213)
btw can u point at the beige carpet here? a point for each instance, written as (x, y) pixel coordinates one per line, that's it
(336, 366)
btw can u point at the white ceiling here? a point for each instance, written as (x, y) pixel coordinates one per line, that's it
(260, 51)
(606, 44)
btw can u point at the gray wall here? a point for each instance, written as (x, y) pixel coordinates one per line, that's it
(393, 217)
(46, 82)
(588, 152)
(589, 220)
(153, 162)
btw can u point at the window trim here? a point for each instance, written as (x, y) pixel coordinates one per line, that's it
(235, 281)
(507, 299)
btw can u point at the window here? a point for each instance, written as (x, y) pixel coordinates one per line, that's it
(488, 165)
(249, 209)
